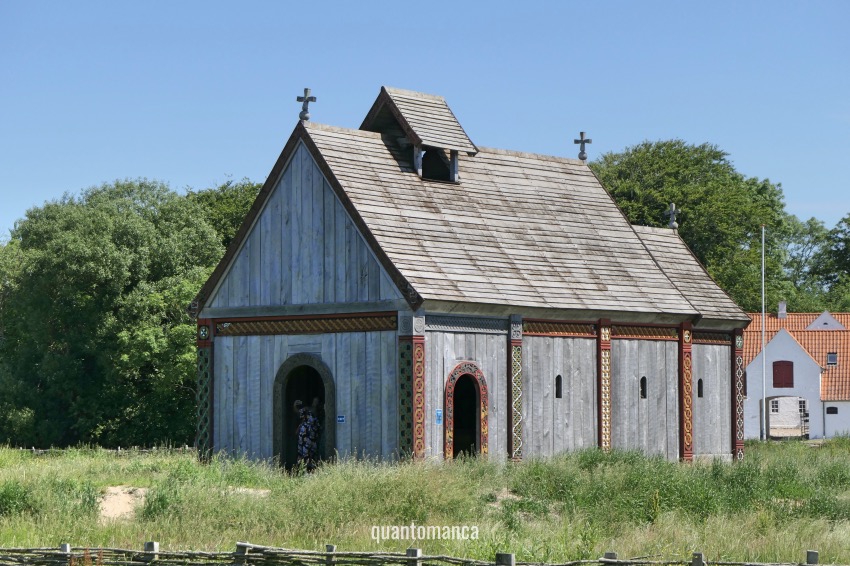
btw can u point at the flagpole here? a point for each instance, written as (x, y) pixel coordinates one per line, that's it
(763, 353)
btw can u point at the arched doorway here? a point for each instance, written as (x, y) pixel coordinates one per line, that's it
(466, 403)
(303, 377)
(787, 417)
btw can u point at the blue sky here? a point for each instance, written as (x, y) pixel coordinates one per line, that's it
(196, 93)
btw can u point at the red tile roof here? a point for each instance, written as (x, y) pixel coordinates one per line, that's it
(835, 385)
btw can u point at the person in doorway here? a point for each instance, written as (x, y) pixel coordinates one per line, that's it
(308, 436)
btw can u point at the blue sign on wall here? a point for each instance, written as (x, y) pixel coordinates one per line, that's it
(439, 416)
(340, 418)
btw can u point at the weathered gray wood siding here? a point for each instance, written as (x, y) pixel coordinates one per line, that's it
(553, 425)
(712, 412)
(443, 351)
(303, 249)
(650, 425)
(364, 367)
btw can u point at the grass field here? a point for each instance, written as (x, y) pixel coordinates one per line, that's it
(785, 498)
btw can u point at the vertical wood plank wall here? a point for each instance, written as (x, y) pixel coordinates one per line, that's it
(364, 367)
(652, 424)
(443, 351)
(304, 249)
(556, 425)
(712, 425)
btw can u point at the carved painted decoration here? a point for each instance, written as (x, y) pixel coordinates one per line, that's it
(719, 338)
(418, 396)
(405, 395)
(308, 325)
(604, 385)
(686, 395)
(738, 396)
(645, 332)
(516, 400)
(555, 328)
(471, 369)
(203, 399)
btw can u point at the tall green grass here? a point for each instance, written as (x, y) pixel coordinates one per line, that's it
(783, 499)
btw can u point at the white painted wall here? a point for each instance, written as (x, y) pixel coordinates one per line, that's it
(838, 424)
(806, 384)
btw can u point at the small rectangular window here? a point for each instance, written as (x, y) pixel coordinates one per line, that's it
(804, 406)
(832, 410)
(832, 359)
(774, 406)
(783, 374)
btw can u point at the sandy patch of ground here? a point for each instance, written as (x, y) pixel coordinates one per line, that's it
(120, 502)
(249, 491)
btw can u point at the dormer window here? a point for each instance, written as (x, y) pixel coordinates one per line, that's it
(832, 359)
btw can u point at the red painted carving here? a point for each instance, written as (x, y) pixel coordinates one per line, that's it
(418, 396)
(465, 368)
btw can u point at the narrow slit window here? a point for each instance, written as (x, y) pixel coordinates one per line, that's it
(558, 385)
(832, 410)
(699, 388)
(643, 387)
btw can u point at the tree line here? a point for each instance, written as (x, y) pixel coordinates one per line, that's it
(96, 345)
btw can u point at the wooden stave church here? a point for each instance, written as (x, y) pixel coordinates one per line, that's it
(414, 282)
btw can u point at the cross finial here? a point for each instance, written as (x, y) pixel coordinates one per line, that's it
(582, 140)
(672, 215)
(306, 99)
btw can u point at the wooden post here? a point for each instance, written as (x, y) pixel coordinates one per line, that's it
(811, 557)
(603, 387)
(505, 559)
(609, 556)
(686, 393)
(65, 548)
(242, 551)
(698, 559)
(330, 549)
(151, 551)
(514, 389)
(737, 395)
(414, 553)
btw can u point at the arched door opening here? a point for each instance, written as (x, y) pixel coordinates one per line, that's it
(466, 426)
(305, 378)
(466, 403)
(302, 384)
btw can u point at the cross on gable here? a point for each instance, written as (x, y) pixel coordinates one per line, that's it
(672, 215)
(582, 140)
(306, 99)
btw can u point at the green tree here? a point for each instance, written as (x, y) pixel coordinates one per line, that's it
(721, 211)
(226, 206)
(97, 344)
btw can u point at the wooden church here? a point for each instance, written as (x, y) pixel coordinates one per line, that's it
(440, 298)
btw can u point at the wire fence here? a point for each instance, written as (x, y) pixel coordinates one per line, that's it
(247, 554)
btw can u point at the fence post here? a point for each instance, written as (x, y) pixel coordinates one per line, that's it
(242, 551)
(505, 559)
(65, 548)
(151, 551)
(609, 556)
(811, 557)
(698, 559)
(414, 553)
(330, 549)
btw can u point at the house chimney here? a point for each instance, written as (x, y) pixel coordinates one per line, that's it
(782, 313)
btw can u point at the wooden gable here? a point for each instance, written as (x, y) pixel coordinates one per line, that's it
(301, 248)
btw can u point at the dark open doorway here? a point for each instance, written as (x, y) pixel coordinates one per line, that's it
(305, 384)
(467, 404)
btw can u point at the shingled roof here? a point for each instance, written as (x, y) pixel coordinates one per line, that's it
(835, 381)
(688, 275)
(521, 233)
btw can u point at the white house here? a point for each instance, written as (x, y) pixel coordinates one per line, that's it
(806, 385)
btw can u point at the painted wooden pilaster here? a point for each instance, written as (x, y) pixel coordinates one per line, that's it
(411, 372)
(738, 395)
(515, 417)
(603, 370)
(204, 390)
(686, 393)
